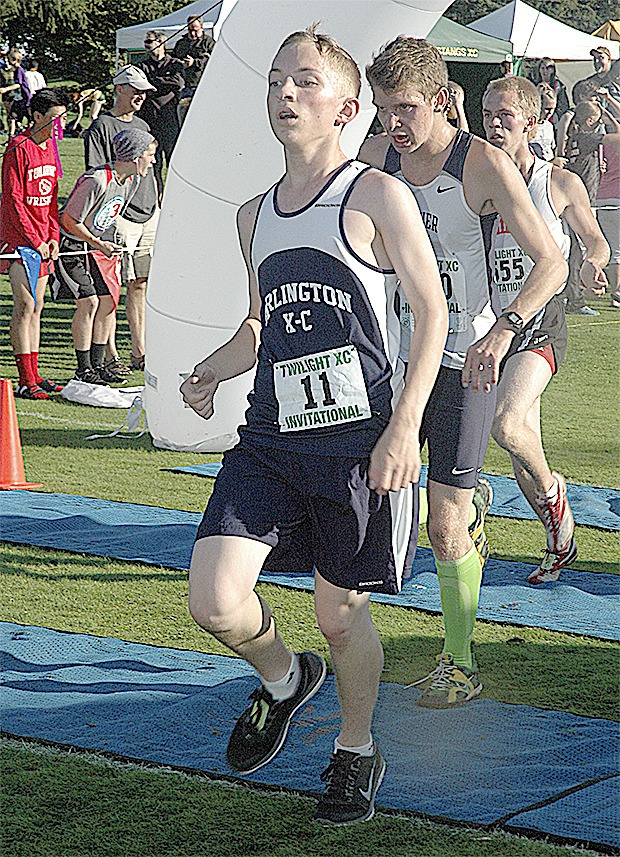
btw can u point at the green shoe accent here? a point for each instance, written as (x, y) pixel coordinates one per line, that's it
(449, 685)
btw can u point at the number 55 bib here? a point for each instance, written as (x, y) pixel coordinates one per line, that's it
(322, 389)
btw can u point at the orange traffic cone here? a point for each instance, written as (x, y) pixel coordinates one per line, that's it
(12, 473)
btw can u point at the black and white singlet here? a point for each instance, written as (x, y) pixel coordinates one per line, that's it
(461, 240)
(328, 369)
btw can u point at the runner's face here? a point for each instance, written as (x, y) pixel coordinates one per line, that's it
(146, 160)
(303, 101)
(505, 125)
(406, 116)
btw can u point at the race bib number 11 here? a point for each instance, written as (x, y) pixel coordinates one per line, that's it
(322, 389)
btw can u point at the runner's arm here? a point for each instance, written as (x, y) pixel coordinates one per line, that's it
(395, 460)
(578, 214)
(495, 176)
(238, 355)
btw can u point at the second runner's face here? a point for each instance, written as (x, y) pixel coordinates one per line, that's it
(407, 117)
(505, 125)
(302, 100)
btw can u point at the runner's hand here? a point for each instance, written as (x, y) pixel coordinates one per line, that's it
(43, 250)
(199, 389)
(54, 248)
(483, 359)
(395, 460)
(593, 277)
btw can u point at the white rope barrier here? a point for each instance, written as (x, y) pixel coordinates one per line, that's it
(78, 253)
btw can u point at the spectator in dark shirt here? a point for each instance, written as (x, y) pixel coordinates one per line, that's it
(194, 50)
(160, 108)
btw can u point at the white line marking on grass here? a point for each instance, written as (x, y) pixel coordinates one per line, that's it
(592, 323)
(52, 419)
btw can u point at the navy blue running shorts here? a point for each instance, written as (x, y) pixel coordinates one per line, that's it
(315, 512)
(457, 426)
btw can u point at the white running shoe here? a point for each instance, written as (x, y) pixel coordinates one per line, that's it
(557, 517)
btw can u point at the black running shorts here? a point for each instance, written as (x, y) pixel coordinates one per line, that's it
(547, 329)
(457, 426)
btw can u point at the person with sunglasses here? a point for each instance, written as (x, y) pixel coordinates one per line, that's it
(159, 110)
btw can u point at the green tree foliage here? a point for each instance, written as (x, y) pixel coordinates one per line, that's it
(75, 39)
(585, 15)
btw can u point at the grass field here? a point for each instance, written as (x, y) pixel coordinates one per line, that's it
(56, 803)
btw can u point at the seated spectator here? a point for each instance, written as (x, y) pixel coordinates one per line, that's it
(194, 50)
(88, 221)
(543, 143)
(35, 79)
(29, 218)
(159, 110)
(456, 109)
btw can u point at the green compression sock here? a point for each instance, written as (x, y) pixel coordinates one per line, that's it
(459, 586)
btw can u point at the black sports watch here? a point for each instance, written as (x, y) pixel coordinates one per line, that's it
(515, 322)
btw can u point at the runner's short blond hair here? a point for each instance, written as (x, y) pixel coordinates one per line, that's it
(340, 63)
(408, 63)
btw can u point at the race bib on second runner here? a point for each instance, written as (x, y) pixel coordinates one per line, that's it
(322, 389)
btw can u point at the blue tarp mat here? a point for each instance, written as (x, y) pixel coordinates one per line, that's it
(477, 764)
(595, 808)
(593, 507)
(580, 602)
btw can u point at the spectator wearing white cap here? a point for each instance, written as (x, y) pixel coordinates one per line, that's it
(606, 73)
(136, 228)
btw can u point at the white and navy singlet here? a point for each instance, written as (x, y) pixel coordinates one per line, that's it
(511, 265)
(328, 369)
(461, 240)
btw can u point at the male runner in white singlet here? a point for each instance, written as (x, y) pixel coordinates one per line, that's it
(460, 183)
(323, 476)
(510, 108)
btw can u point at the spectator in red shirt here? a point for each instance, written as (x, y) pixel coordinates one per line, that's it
(29, 218)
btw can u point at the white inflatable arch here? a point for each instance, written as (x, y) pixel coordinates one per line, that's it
(226, 154)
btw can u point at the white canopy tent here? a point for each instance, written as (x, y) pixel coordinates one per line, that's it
(212, 13)
(536, 35)
(226, 154)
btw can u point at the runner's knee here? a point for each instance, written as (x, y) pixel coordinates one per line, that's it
(337, 621)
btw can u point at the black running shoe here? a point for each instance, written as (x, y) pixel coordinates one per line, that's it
(90, 376)
(116, 365)
(261, 730)
(109, 376)
(352, 783)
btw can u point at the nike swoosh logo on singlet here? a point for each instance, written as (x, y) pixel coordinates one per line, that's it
(444, 189)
